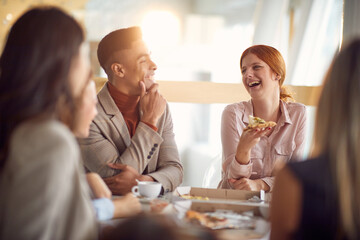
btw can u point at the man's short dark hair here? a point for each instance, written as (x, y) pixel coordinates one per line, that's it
(115, 41)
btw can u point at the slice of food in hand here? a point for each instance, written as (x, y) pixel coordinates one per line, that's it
(256, 122)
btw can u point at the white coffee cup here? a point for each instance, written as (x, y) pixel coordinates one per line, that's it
(147, 189)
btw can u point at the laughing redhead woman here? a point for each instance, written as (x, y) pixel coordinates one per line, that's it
(251, 157)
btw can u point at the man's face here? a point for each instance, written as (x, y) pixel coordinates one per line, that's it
(137, 66)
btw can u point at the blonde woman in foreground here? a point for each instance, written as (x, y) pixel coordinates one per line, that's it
(320, 198)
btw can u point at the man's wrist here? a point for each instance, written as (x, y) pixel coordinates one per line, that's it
(146, 178)
(150, 120)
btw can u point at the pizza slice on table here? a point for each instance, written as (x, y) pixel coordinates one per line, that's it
(205, 220)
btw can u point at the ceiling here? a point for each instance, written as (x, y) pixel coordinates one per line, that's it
(127, 12)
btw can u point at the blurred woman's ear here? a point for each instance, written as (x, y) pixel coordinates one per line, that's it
(85, 110)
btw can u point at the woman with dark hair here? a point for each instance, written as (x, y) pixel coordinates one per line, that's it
(320, 198)
(43, 68)
(251, 157)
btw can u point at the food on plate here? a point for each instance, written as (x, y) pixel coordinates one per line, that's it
(188, 196)
(256, 122)
(158, 205)
(205, 220)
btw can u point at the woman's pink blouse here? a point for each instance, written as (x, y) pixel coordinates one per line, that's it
(284, 144)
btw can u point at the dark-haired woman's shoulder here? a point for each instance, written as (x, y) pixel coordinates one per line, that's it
(319, 208)
(304, 201)
(318, 188)
(45, 146)
(41, 179)
(311, 169)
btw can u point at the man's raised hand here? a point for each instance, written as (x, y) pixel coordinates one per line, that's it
(152, 103)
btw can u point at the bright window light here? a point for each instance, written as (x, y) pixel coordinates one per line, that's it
(160, 28)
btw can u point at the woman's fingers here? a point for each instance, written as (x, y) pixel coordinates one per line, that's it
(259, 132)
